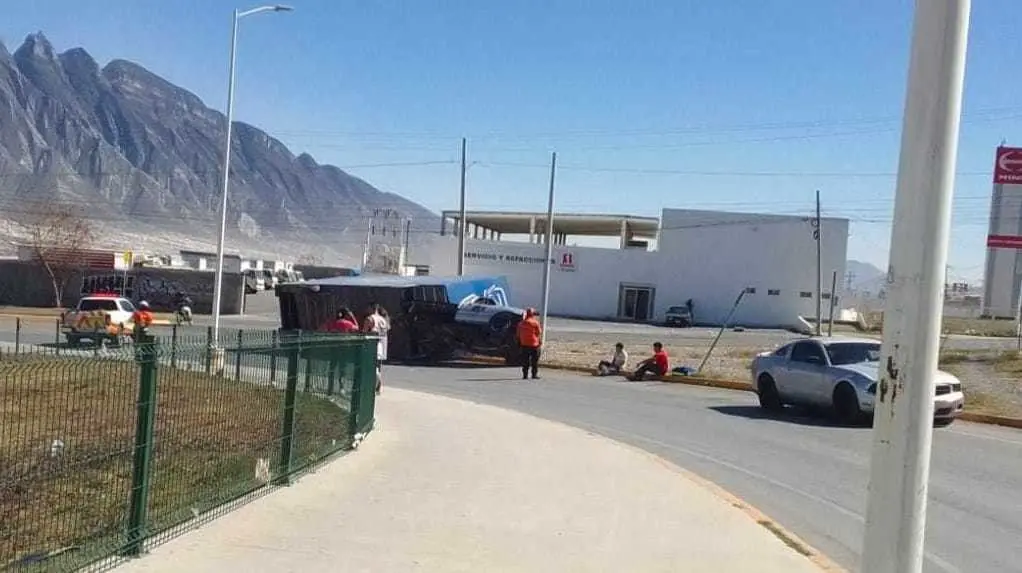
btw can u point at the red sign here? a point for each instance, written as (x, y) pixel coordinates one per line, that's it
(1004, 241)
(1008, 166)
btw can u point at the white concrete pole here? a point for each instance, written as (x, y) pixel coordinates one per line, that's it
(549, 247)
(903, 422)
(462, 225)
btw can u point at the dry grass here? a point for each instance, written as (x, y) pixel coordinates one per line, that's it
(75, 493)
(959, 325)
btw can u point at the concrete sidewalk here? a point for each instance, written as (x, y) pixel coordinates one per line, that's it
(446, 485)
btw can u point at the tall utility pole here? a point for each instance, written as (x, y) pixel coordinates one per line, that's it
(818, 235)
(833, 303)
(903, 419)
(549, 247)
(462, 225)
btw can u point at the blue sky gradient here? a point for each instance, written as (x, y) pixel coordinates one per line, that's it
(742, 105)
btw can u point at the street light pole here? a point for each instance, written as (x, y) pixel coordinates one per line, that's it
(903, 420)
(549, 247)
(218, 283)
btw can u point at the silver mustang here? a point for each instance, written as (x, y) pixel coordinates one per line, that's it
(837, 373)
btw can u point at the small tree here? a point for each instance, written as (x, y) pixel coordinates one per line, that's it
(58, 237)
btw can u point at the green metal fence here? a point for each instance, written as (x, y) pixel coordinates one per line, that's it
(104, 452)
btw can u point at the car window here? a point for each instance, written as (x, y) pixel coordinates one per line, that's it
(93, 304)
(126, 306)
(782, 351)
(677, 309)
(853, 352)
(807, 352)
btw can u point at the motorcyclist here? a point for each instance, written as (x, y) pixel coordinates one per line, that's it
(183, 306)
(143, 317)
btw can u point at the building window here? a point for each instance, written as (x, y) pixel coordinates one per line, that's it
(825, 296)
(750, 290)
(774, 292)
(805, 294)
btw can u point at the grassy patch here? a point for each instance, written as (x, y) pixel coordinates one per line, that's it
(67, 441)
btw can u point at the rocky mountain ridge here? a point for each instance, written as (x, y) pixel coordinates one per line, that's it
(142, 157)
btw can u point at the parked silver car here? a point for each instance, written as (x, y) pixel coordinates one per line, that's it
(837, 373)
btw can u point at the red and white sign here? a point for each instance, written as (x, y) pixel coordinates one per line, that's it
(567, 261)
(1004, 241)
(1008, 166)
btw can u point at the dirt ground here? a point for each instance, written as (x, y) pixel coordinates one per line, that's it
(992, 381)
(67, 443)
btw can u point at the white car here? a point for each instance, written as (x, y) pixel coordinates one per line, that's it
(99, 318)
(840, 374)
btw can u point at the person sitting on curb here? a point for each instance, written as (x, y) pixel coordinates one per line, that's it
(657, 364)
(615, 364)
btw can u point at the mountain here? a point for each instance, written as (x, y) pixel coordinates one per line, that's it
(142, 157)
(865, 277)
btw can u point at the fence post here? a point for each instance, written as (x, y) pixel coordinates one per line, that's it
(357, 383)
(237, 357)
(146, 356)
(17, 335)
(173, 346)
(294, 350)
(209, 349)
(273, 358)
(56, 336)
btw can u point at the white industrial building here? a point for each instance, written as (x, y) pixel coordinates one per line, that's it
(706, 256)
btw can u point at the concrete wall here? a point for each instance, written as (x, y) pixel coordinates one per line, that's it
(709, 257)
(157, 286)
(26, 284)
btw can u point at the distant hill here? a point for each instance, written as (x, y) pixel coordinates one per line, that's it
(865, 277)
(143, 157)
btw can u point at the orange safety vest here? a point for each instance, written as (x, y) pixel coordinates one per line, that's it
(142, 318)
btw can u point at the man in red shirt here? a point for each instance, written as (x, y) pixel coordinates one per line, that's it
(345, 323)
(530, 337)
(657, 364)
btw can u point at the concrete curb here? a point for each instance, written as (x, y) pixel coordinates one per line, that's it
(973, 417)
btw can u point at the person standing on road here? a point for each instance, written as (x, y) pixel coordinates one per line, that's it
(530, 337)
(143, 316)
(378, 325)
(345, 323)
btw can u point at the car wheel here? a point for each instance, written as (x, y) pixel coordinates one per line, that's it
(769, 397)
(846, 404)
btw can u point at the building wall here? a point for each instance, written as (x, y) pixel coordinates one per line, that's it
(709, 257)
(27, 284)
(715, 254)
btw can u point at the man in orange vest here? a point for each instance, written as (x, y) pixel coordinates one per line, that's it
(143, 317)
(530, 337)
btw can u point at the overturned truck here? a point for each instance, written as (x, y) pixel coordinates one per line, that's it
(432, 318)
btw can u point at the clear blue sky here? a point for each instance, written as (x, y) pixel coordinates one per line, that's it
(745, 105)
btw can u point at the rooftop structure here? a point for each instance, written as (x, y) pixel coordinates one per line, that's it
(494, 224)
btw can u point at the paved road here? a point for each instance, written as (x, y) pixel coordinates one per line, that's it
(805, 473)
(42, 331)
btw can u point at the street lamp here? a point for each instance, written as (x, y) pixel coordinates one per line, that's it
(219, 281)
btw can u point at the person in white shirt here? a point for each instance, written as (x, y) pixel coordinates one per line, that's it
(378, 324)
(616, 363)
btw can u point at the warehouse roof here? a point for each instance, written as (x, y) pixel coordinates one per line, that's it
(590, 225)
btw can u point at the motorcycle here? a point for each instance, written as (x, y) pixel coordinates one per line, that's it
(183, 315)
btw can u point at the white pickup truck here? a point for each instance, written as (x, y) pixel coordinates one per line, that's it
(99, 319)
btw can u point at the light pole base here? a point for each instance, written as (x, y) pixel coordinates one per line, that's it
(217, 361)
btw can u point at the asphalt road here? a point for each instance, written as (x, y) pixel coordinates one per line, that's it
(263, 315)
(807, 474)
